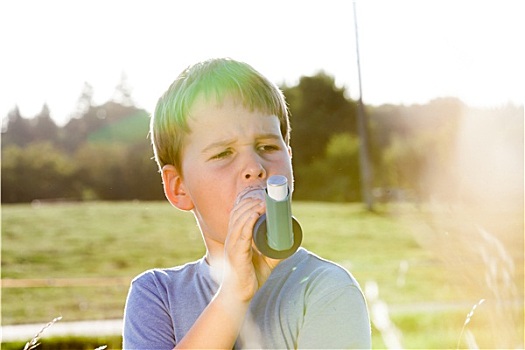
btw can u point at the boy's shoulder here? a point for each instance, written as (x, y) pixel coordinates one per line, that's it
(181, 274)
(309, 267)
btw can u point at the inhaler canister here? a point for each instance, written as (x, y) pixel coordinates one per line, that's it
(278, 213)
(277, 234)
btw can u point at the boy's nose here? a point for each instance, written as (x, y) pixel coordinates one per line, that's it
(254, 170)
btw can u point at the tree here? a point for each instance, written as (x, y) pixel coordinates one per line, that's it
(335, 177)
(37, 171)
(18, 130)
(44, 128)
(100, 169)
(118, 171)
(411, 142)
(318, 110)
(122, 94)
(84, 102)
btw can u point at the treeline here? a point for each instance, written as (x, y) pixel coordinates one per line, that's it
(103, 152)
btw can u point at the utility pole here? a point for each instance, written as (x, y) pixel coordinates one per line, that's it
(362, 127)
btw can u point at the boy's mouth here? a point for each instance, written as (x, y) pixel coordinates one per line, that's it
(251, 192)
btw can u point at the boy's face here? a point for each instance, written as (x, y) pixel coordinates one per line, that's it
(229, 149)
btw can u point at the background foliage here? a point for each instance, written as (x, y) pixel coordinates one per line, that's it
(104, 153)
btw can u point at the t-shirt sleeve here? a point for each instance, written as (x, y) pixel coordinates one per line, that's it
(147, 322)
(336, 317)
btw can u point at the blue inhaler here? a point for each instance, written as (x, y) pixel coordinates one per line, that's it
(277, 234)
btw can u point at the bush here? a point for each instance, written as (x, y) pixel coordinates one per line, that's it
(38, 171)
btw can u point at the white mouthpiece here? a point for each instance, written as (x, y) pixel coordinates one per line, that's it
(277, 187)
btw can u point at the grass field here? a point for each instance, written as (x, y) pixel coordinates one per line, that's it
(426, 271)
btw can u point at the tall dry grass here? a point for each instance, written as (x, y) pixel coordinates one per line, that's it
(473, 222)
(35, 341)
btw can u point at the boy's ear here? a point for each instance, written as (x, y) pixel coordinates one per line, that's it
(174, 188)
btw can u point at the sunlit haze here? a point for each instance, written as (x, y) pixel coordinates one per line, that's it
(410, 51)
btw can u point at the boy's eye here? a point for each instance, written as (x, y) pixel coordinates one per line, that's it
(268, 148)
(222, 154)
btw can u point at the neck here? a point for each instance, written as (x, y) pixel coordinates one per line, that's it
(214, 254)
(215, 260)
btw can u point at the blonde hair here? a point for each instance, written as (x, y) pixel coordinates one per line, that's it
(215, 78)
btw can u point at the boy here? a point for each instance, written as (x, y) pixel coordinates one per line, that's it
(220, 131)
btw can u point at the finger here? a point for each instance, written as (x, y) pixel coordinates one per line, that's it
(247, 204)
(242, 212)
(247, 228)
(241, 228)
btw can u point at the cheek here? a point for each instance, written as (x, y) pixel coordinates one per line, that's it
(211, 196)
(285, 164)
(287, 167)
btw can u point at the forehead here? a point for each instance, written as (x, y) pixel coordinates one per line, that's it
(210, 111)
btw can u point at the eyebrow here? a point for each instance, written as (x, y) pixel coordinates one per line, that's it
(228, 142)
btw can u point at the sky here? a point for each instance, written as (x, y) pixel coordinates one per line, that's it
(410, 52)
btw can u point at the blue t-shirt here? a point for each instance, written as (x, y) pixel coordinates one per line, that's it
(307, 302)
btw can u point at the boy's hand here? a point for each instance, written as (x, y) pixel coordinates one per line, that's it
(245, 268)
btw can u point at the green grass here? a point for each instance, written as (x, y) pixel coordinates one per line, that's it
(123, 239)
(70, 343)
(107, 239)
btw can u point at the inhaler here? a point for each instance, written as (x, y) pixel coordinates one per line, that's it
(277, 234)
